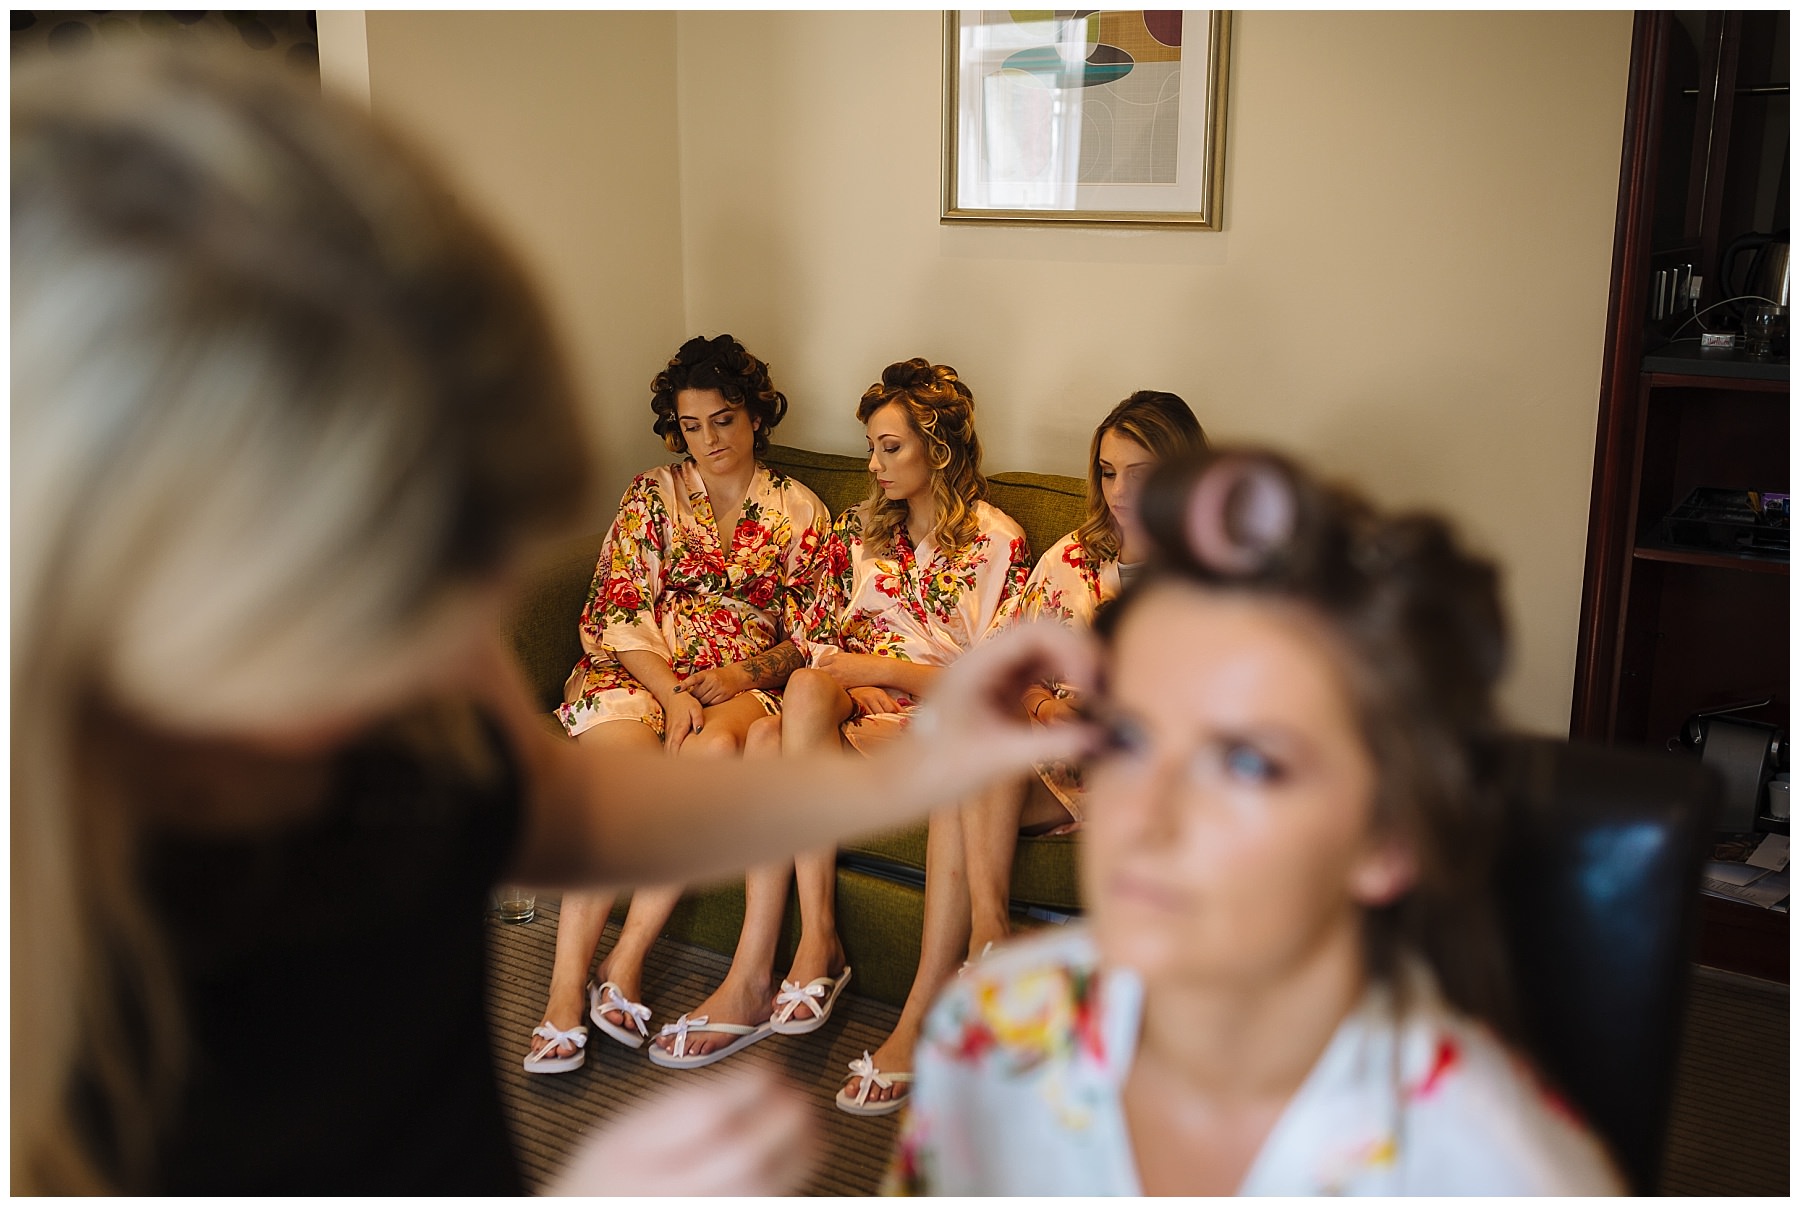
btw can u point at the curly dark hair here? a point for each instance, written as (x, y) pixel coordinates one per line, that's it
(1418, 623)
(721, 364)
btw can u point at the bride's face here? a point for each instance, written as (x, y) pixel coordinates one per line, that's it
(1235, 835)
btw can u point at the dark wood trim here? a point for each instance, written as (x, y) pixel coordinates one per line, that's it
(1741, 938)
(1609, 519)
(1716, 561)
(1704, 381)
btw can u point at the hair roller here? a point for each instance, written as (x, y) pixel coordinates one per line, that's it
(1239, 513)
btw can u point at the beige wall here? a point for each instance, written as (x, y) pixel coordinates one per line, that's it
(1410, 289)
(344, 53)
(561, 127)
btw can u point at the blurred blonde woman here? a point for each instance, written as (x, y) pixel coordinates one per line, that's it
(285, 421)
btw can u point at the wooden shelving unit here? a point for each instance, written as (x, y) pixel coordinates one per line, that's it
(1670, 629)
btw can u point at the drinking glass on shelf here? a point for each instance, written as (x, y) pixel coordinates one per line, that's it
(1764, 325)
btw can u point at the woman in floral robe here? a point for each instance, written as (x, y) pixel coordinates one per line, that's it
(917, 574)
(1290, 973)
(667, 585)
(701, 584)
(1072, 579)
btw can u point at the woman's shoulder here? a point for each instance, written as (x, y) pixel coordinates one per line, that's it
(659, 479)
(1026, 1002)
(1482, 1120)
(853, 521)
(798, 499)
(1069, 551)
(995, 522)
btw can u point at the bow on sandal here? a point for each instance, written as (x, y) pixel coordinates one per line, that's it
(606, 997)
(683, 1027)
(541, 1061)
(818, 995)
(858, 1103)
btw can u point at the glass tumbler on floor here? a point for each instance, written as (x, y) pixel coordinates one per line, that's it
(515, 904)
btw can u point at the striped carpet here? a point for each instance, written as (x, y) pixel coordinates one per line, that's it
(1728, 1130)
(551, 1112)
(1728, 1125)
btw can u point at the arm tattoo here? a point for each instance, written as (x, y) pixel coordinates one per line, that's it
(770, 669)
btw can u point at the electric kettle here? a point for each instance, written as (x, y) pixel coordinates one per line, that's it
(1768, 273)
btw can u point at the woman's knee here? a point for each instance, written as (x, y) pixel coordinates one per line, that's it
(620, 732)
(811, 691)
(763, 736)
(713, 742)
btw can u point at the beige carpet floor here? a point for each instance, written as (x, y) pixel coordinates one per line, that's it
(550, 1113)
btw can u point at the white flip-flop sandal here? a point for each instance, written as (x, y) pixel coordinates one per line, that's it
(684, 1026)
(818, 995)
(858, 1103)
(541, 1061)
(606, 997)
(986, 949)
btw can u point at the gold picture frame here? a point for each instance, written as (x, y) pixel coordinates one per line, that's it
(1044, 122)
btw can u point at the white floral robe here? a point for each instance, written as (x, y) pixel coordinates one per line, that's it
(1019, 1072)
(667, 585)
(915, 603)
(1068, 587)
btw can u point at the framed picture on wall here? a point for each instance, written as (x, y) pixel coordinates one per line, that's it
(1087, 117)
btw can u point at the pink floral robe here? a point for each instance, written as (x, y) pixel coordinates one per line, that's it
(1067, 587)
(1018, 1079)
(666, 585)
(915, 602)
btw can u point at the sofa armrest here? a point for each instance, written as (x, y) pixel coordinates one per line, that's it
(544, 624)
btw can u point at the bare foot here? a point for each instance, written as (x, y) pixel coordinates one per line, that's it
(895, 1055)
(814, 959)
(629, 979)
(732, 1002)
(564, 1016)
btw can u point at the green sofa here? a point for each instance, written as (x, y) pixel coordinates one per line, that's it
(880, 878)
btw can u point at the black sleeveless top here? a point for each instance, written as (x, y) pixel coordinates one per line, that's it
(334, 977)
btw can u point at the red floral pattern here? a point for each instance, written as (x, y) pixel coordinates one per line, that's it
(928, 610)
(1066, 586)
(666, 584)
(1021, 1070)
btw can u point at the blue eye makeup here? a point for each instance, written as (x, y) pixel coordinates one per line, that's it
(1245, 762)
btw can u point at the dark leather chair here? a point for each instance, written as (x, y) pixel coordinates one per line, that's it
(1599, 901)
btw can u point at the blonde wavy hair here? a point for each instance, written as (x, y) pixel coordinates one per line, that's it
(282, 411)
(1158, 421)
(940, 409)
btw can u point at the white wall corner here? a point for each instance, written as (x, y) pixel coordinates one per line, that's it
(344, 54)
